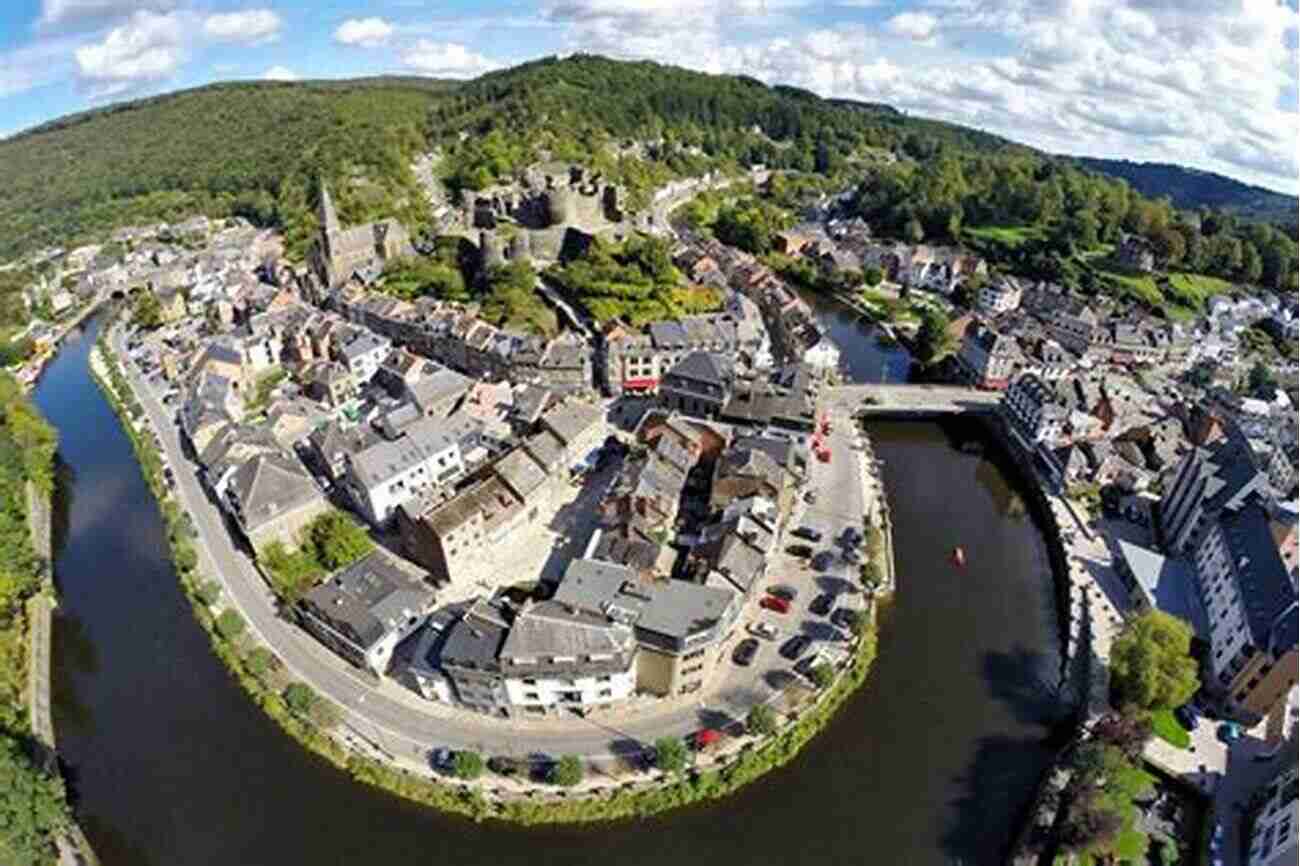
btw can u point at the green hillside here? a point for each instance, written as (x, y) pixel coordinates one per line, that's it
(248, 148)
(256, 149)
(1193, 189)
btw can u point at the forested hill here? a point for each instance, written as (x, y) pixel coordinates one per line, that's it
(1193, 189)
(256, 149)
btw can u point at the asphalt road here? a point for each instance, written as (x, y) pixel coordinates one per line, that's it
(406, 726)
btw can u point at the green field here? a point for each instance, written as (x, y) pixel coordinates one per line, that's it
(1011, 236)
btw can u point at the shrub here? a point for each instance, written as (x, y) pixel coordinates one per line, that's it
(761, 720)
(300, 698)
(670, 754)
(567, 772)
(209, 592)
(823, 675)
(467, 766)
(230, 624)
(260, 661)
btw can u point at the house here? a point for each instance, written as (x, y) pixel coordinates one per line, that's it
(1251, 602)
(455, 537)
(537, 659)
(1210, 479)
(1273, 815)
(363, 353)
(331, 443)
(988, 359)
(273, 498)
(579, 427)
(428, 454)
(1035, 409)
(61, 300)
(749, 471)
(700, 384)
(1135, 253)
(1158, 582)
(171, 301)
(679, 626)
(364, 611)
(329, 382)
(999, 295)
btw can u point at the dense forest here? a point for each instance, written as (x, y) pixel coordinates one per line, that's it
(32, 800)
(257, 149)
(1192, 189)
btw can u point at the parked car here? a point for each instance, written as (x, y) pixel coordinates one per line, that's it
(823, 560)
(807, 533)
(774, 603)
(1187, 716)
(795, 647)
(763, 630)
(441, 759)
(801, 550)
(785, 591)
(822, 604)
(810, 497)
(845, 618)
(745, 652)
(806, 664)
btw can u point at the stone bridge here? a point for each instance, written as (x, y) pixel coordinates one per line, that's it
(912, 401)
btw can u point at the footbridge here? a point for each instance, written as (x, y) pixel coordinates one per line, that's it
(912, 401)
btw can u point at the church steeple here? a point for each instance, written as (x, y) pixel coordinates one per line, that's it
(329, 220)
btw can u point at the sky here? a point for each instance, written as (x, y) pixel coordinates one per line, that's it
(1210, 84)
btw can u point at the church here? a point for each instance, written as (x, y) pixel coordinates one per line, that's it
(339, 253)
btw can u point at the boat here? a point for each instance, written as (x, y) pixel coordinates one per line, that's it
(959, 557)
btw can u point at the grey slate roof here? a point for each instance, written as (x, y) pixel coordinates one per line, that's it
(476, 639)
(439, 385)
(368, 599)
(560, 639)
(708, 367)
(1168, 584)
(1266, 589)
(571, 419)
(521, 472)
(421, 440)
(664, 613)
(268, 485)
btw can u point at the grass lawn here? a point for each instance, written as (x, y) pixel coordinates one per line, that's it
(1192, 290)
(1166, 727)
(1012, 236)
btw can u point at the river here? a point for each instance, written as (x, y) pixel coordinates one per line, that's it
(931, 763)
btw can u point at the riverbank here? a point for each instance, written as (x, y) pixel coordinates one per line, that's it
(716, 773)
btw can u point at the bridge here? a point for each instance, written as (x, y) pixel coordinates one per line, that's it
(912, 401)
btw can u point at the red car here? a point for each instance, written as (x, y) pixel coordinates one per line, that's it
(775, 603)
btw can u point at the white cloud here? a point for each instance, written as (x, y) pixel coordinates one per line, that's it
(86, 14)
(147, 48)
(917, 26)
(280, 73)
(250, 26)
(40, 62)
(366, 32)
(445, 60)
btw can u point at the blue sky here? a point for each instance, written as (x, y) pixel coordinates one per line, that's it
(1206, 83)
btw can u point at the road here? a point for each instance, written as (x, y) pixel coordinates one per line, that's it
(407, 726)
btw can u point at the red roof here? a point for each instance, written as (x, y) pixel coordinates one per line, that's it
(706, 737)
(641, 383)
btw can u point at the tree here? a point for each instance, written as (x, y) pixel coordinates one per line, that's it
(147, 311)
(300, 698)
(209, 592)
(567, 772)
(230, 624)
(467, 765)
(1169, 246)
(33, 807)
(1150, 664)
(761, 720)
(823, 675)
(933, 341)
(869, 574)
(670, 754)
(872, 276)
(260, 661)
(338, 540)
(1261, 380)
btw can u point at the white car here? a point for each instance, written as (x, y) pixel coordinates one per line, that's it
(763, 630)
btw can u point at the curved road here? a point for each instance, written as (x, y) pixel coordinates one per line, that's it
(406, 726)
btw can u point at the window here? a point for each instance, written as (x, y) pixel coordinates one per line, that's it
(605, 693)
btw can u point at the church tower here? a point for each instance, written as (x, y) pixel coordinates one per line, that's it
(329, 219)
